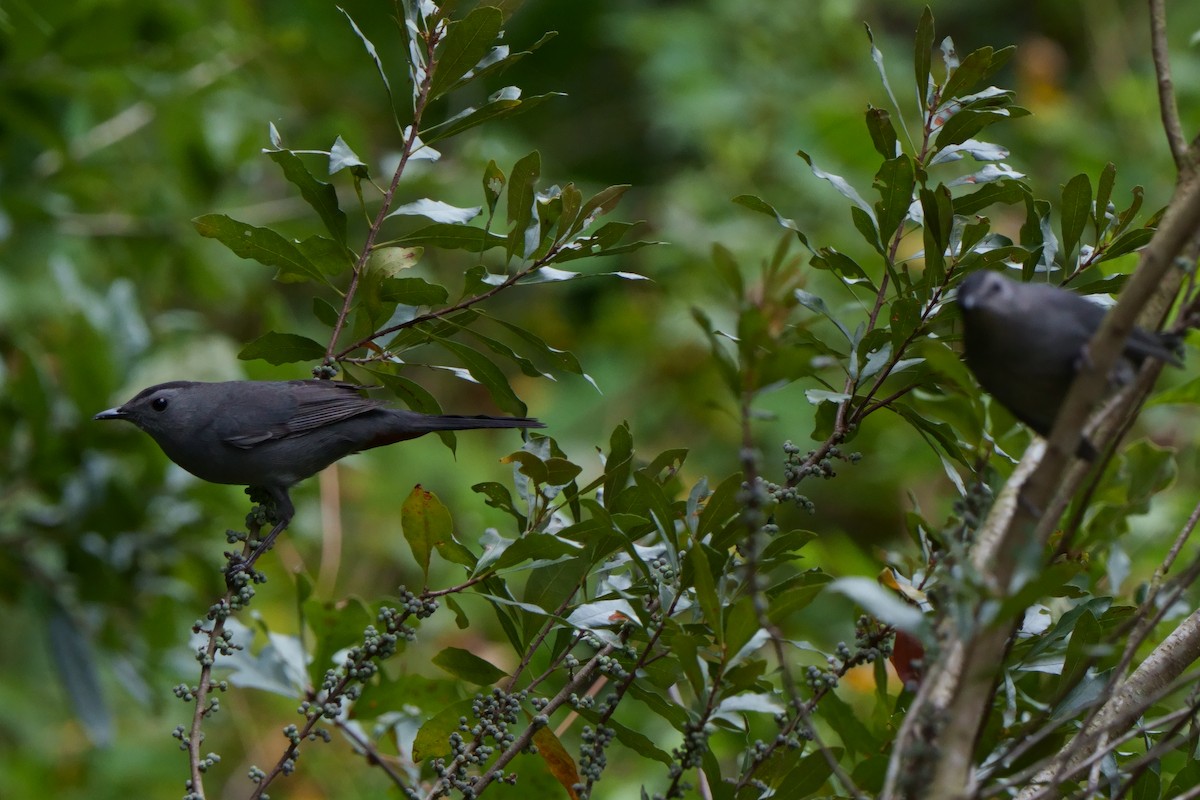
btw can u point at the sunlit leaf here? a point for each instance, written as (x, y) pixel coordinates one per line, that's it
(437, 211)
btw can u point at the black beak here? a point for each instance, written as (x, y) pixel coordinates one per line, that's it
(112, 413)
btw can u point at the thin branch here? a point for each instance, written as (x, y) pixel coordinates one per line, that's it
(1166, 91)
(459, 306)
(432, 37)
(374, 757)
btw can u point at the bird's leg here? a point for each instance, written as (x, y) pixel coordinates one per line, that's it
(280, 511)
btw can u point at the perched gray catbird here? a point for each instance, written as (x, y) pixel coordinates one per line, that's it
(274, 434)
(1026, 341)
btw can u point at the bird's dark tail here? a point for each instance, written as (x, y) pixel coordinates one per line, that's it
(454, 422)
(403, 425)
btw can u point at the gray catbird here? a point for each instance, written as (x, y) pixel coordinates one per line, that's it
(274, 434)
(1026, 341)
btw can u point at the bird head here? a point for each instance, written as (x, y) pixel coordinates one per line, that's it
(155, 410)
(985, 291)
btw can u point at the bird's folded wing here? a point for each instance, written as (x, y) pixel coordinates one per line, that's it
(316, 407)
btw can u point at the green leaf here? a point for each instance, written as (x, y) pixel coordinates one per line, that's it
(720, 515)
(723, 360)
(498, 496)
(374, 54)
(503, 103)
(468, 666)
(656, 502)
(938, 209)
(259, 244)
(970, 72)
(922, 55)
(1127, 216)
(465, 45)
(330, 257)
(838, 182)
(501, 57)
(796, 593)
(488, 374)
(325, 313)
(842, 265)
(433, 739)
(526, 366)
(597, 205)
(572, 202)
(727, 269)
(864, 223)
(814, 303)
(1108, 178)
(970, 121)
(493, 186)
(883, 134)
(540, 548)
(385, 695)
(1127, 242)
(318, 194)
(412, 292)
(761, 206)
(551, 585)
(453, 237)
(1004, 191)
(1076, 212)
(426, 524)
(618, 464)
(522, 194)
(335, 626)
(560, 359)
(1080, 652)
(894, 181)
(706, 590)
(282, 348)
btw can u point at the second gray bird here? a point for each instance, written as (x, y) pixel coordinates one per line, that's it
(274, 434)
(1026, 341)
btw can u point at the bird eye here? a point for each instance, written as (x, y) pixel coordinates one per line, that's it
(159, 404)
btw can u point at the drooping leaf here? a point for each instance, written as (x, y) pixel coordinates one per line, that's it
(259, 244)
(374, 54)
(426, 524)
(483, 370)
(318, 194)
(282, 348)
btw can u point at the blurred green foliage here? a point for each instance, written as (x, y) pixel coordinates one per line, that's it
(122, 122)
